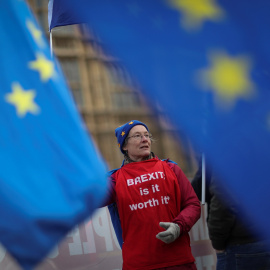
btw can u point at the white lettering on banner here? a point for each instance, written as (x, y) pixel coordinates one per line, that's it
(75, 248)
(165, 199)
(155, 188)
(101, 227)
(137, 180)
(144, 191)
(150, 203)
(90, 245)
(145, 177)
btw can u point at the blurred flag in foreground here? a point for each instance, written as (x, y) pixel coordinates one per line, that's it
(51, 175)
(207, 64)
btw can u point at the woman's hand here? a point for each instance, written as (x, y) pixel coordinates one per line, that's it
(171, 234)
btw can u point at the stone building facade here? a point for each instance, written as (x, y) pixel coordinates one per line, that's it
(107, 96)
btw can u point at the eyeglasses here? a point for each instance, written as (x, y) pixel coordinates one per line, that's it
(138, 137)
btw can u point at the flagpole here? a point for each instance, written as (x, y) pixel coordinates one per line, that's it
(51, 44)
(203, 179)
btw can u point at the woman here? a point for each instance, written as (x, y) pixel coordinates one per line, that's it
(156, 203)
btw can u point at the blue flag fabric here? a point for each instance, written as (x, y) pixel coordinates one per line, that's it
(207, 64)
(59, 16)
(52, 177)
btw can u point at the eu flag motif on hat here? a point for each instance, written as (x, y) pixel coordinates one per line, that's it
(122, 132)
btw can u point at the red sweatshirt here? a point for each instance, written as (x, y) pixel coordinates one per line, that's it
(147, 193)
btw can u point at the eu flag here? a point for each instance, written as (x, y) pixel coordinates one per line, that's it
(207, 64)
(59, 16)
(52, 177)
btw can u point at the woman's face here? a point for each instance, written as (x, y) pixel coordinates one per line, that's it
(138, 146)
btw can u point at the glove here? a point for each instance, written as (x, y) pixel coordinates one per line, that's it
(171, 234)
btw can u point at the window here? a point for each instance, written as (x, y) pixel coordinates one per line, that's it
(70, 68)
(126, 100)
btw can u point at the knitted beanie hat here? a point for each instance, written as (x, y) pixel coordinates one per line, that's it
(122, 132)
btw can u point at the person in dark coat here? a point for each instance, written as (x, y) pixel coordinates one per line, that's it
(233, 237)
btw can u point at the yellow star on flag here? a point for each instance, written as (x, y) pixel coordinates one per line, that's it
(228, 77)
(123, 133)
(195, 12)
(130, 123)
(44, 66)
(36, 33)
(23, 100)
